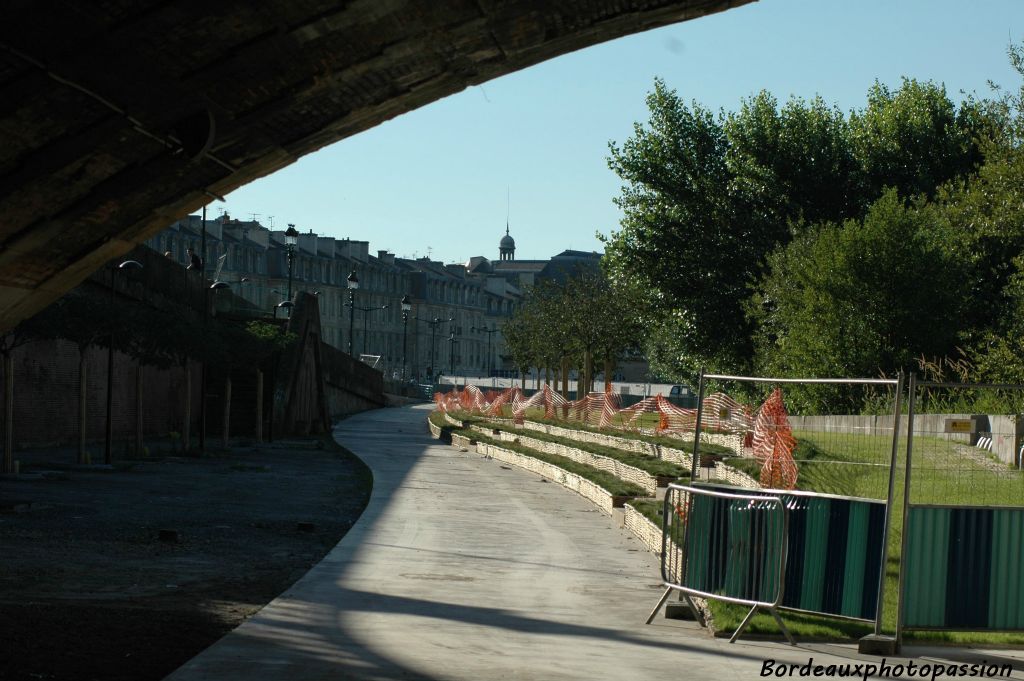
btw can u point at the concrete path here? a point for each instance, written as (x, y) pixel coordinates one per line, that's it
(461, 568)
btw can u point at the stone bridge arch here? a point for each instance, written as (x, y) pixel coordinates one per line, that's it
(118, 117)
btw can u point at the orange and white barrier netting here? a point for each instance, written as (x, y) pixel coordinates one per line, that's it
(768, 430)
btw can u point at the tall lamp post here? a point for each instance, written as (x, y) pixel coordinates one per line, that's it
(490, 333)
(107, 455)
(291, 237)
(451, 353)
(406, 308)
(214, 287)
(366, 313)
(433, 324)
(353, 284)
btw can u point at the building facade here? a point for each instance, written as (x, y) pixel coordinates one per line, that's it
(453, 328)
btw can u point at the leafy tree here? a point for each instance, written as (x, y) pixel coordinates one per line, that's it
(858, 299)
(677, 238)
(706, 199)
(915, 139)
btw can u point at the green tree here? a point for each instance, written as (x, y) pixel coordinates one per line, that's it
(706, 199)
(916, 139)
(858, 299)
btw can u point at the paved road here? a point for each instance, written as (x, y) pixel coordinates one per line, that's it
(463, 569)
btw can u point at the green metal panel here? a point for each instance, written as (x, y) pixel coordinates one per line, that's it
(775, 527)
(853, 577)
(737, 567)
(924, 589)
(815, 553)
(1006, 595)
(698, 529)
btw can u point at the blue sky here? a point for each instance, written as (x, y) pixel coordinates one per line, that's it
(435, 180)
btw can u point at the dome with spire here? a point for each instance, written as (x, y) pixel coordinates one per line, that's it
(507, 246)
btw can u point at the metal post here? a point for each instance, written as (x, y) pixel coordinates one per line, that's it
(405, 333)
(366, 314)
(202, 374)
(911, 400)
(291, 258)
(879, 607)
(433, 334)
(351, 317)
(695, 464)
(202, 247)
(107, 455)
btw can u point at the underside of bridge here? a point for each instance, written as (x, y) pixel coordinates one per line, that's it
(119, 116)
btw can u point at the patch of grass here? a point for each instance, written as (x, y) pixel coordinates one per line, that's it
(726, 617)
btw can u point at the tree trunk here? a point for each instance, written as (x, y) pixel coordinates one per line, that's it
(8, 466)
(259, 406)
(138, 410)
(588, 364)
(564, 367)
(609, 367)
(227, 411)
(186, 429)
(83, 384)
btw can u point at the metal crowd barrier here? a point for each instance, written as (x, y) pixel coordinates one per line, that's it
(726, 546)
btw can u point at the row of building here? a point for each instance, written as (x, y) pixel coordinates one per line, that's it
(458, 310)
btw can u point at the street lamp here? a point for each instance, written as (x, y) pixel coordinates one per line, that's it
(406, 308)
(291, 237)
(433, 332)
(451, 353)
(353, 284)
(126, 265)
(490, 333)
(366, 313)
(215, 286)
(286, 304)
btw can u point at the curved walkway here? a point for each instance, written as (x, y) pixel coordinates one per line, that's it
(461, 568)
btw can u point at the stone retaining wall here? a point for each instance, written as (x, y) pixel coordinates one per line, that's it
(643, 529)
(624, 443)
(453, 421)
(599, 496)
(620, 470)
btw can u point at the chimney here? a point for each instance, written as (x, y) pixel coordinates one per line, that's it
(386, 258)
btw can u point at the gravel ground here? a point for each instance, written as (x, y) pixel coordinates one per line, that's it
(90, 590)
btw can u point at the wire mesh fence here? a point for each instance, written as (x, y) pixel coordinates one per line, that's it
(966, 447)
(787, 446)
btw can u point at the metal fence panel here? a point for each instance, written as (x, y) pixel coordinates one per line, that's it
(834, 552)
(963, 568)
(729, 546)
(964, 526)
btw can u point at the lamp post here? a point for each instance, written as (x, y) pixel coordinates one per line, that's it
(214, 287)
(366, 313)
(291, 237)
(107, 455)
(406, 308)
(353, 284)
(451, 353)
(286, 304)
(490, 333)
(433, 324)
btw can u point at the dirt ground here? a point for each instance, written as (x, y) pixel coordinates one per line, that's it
(90, 590)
